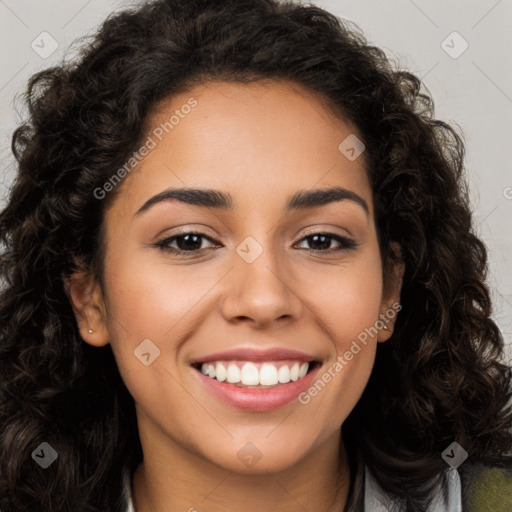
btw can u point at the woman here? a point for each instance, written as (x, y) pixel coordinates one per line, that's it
(240, 274)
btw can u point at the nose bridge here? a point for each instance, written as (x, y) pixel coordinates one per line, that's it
(258, 286)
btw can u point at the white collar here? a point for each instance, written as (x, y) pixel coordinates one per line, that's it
(377, 500)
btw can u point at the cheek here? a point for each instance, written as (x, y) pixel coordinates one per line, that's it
(348, 301)
(154, 301)
(347, 305)
(154, 309)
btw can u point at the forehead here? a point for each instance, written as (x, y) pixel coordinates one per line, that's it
(255, 141)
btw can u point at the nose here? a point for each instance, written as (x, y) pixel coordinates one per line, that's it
(260, 293)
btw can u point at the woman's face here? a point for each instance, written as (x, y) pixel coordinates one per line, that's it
(249, 298)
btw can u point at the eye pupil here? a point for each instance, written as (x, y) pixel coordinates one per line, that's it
(189, 246)
(324, 245)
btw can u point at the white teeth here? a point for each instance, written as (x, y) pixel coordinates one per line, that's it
(268, 375)
(250, 375)
(233, 373)
(294, 372)
(220, 372)
(253, 374)
(283, 375)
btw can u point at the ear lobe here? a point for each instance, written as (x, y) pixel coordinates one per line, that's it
(86, 298)
(384, 334)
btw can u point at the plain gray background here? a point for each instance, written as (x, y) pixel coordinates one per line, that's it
(471, 87)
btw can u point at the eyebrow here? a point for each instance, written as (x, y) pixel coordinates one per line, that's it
(304, 199)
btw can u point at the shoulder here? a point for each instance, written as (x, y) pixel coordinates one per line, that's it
(445, 496)
(480, 487)
(487, 486)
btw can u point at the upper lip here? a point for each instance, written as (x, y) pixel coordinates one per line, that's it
(255, 355)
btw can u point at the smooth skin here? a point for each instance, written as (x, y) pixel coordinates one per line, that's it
(261, 143)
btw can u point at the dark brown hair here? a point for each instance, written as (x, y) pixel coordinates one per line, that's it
(438, 379)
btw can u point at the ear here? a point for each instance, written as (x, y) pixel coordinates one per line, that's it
(390, 303)
(86, 297)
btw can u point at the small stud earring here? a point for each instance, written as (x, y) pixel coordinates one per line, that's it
(386, 327)
(90, 331)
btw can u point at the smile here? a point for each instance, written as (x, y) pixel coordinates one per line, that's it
(256, 382)
(255, 375)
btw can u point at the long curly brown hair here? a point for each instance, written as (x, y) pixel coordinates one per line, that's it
(438, 379)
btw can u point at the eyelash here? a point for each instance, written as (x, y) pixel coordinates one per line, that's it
(346, 243)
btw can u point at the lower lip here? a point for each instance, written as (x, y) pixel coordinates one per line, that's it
(251, 399)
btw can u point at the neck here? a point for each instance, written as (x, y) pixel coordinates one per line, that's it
(181, 481)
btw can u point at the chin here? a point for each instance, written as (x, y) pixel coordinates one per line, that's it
(267, 455)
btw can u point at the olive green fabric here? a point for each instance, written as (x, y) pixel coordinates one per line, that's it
(486, 489)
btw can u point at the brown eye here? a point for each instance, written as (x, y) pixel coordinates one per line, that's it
(186, 243)
(321, 242)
